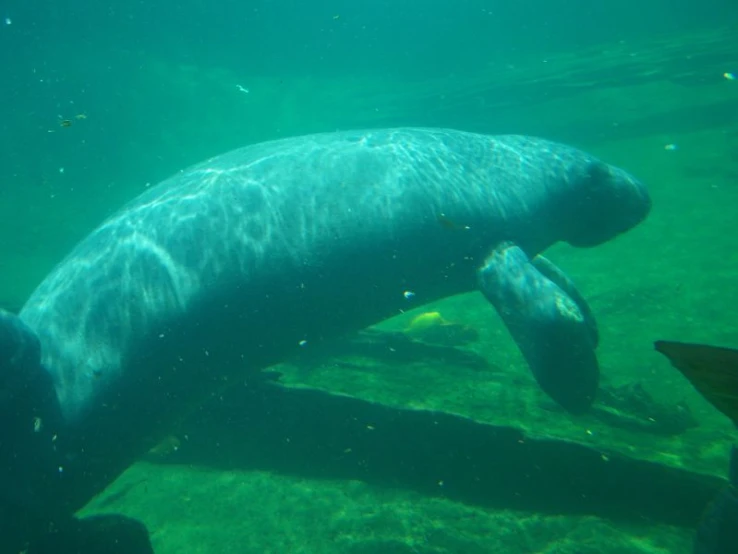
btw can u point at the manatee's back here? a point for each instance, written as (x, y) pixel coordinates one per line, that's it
(266, 210)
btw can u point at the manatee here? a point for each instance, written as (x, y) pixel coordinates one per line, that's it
(240, 261)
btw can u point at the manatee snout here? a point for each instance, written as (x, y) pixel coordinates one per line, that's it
(631, 198)
(608, 202)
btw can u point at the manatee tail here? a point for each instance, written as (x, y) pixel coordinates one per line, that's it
(29, 420)
(713, 371)
(26, 391)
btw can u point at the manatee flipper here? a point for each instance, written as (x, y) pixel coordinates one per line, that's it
(553, 273)
(555, 334)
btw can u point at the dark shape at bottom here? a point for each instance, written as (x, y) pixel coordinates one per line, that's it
(713, 371)
(314, 434)
(718, 532)
(101, 534)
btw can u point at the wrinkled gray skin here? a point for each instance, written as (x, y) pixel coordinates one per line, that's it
(227, 266)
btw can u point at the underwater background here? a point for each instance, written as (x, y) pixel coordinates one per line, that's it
(381, 444)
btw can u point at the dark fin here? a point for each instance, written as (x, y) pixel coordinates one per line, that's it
(100, 534)
(712, 370)
(548, 326)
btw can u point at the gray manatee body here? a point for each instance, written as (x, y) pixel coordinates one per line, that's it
(233, 264)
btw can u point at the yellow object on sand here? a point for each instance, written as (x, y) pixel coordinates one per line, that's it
(424, 321)
(433, 328)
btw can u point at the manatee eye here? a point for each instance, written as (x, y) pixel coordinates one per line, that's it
(597, 173)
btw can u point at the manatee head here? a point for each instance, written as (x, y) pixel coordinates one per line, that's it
(605, 201)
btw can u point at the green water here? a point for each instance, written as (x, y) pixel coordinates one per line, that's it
(151, 88)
